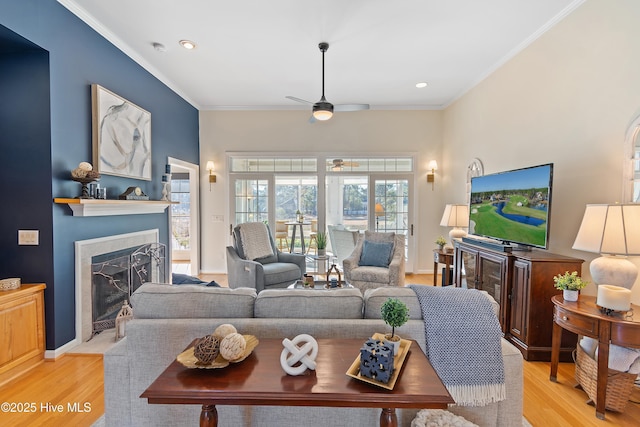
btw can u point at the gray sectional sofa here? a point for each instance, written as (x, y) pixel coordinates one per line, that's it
(168, 317)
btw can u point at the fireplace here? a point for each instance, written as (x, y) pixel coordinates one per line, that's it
(88, 252)
(116, 275)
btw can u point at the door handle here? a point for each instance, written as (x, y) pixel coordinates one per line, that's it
(411, 230)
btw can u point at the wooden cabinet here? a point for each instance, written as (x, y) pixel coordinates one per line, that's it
(522, 283)
(21, 330)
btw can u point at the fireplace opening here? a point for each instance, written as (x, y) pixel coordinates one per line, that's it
(116, 275)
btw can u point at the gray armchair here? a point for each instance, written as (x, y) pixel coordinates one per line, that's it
(342, 241)
(370, 276)
(276, 271)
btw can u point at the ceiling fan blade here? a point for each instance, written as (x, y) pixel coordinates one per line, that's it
(312, 119)
(350, 107)
(293, 98)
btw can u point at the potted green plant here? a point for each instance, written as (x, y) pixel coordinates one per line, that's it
(395, 313)
(321, 242)
(440, 241)
(570, 284)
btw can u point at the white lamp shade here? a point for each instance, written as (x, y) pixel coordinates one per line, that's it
(455, 216)
(433, 165)
(210, 166)
(610, 229)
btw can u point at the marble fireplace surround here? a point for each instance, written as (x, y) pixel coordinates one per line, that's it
(84, 250)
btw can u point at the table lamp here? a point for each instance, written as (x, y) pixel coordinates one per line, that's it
(379, 211)
(614, 232)
(456, 216)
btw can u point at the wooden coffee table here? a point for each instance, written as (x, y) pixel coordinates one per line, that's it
(260, 380)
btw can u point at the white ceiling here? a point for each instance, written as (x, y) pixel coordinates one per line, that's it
(252, 53)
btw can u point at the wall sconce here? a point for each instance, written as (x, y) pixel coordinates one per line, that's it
(212, 177)
(431, 176)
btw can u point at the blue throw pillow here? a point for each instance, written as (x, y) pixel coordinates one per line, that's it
(376, 254)
(183, 279)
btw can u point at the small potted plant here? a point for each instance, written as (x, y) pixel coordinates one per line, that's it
(321, 242)
(395, 313)
(440, 241)
(570, 284)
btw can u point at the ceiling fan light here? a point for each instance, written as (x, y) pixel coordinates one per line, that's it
(322, 114)
(322, 110)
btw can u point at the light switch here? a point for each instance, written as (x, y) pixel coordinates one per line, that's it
(28, 237)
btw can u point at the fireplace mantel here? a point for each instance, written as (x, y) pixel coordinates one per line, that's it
(101, 207)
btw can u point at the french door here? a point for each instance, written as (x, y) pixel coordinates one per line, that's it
(390, 209)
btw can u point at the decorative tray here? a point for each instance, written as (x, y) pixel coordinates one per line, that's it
(398, 361)
(188, 360)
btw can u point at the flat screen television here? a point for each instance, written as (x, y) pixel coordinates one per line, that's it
(513, 206)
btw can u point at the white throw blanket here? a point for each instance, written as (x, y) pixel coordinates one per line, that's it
(463, 342)
(255, 240)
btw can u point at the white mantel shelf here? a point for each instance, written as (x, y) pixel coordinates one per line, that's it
(101, 207)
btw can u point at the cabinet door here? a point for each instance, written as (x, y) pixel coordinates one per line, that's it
(466, 269)
(491, 277)
(519, 300)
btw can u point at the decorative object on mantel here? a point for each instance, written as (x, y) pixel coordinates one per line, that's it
(84, 174)
(299, 354)
(570, 285)
(133, 193)
(124, 315)
(10, 284)
(165, 189)
(395, 313)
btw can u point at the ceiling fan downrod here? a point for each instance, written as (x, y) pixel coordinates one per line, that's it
(323, 110)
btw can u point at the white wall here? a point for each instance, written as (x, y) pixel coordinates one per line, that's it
(360, 133)
(568, 99)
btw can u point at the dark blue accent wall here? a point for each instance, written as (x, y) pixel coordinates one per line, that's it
(45, 131)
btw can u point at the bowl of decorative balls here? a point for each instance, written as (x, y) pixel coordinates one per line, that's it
(217, 350)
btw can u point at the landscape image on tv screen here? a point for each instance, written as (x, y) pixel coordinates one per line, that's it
(512, 206)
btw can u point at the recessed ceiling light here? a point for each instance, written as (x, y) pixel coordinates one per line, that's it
(421, 85)
(187, 44)
(158, 46)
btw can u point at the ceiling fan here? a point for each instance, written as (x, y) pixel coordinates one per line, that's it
(338, 164)
(323, 109)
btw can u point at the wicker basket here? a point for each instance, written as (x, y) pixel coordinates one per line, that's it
(10, 284)
(619, 384)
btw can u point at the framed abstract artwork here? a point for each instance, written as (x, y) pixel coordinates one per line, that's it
(121, 135)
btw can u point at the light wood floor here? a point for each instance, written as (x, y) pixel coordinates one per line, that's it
(78, 379)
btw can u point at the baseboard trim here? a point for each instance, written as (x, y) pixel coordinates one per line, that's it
(54, 354)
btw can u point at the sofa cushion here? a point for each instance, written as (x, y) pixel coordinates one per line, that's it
(280, 272)
(376, 254)
(164, 301)
(374, 298)
(309, 304)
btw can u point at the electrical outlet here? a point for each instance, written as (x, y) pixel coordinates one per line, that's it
(28, 237)
(217, 218)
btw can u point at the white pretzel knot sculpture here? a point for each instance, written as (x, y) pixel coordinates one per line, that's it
(304, 356)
